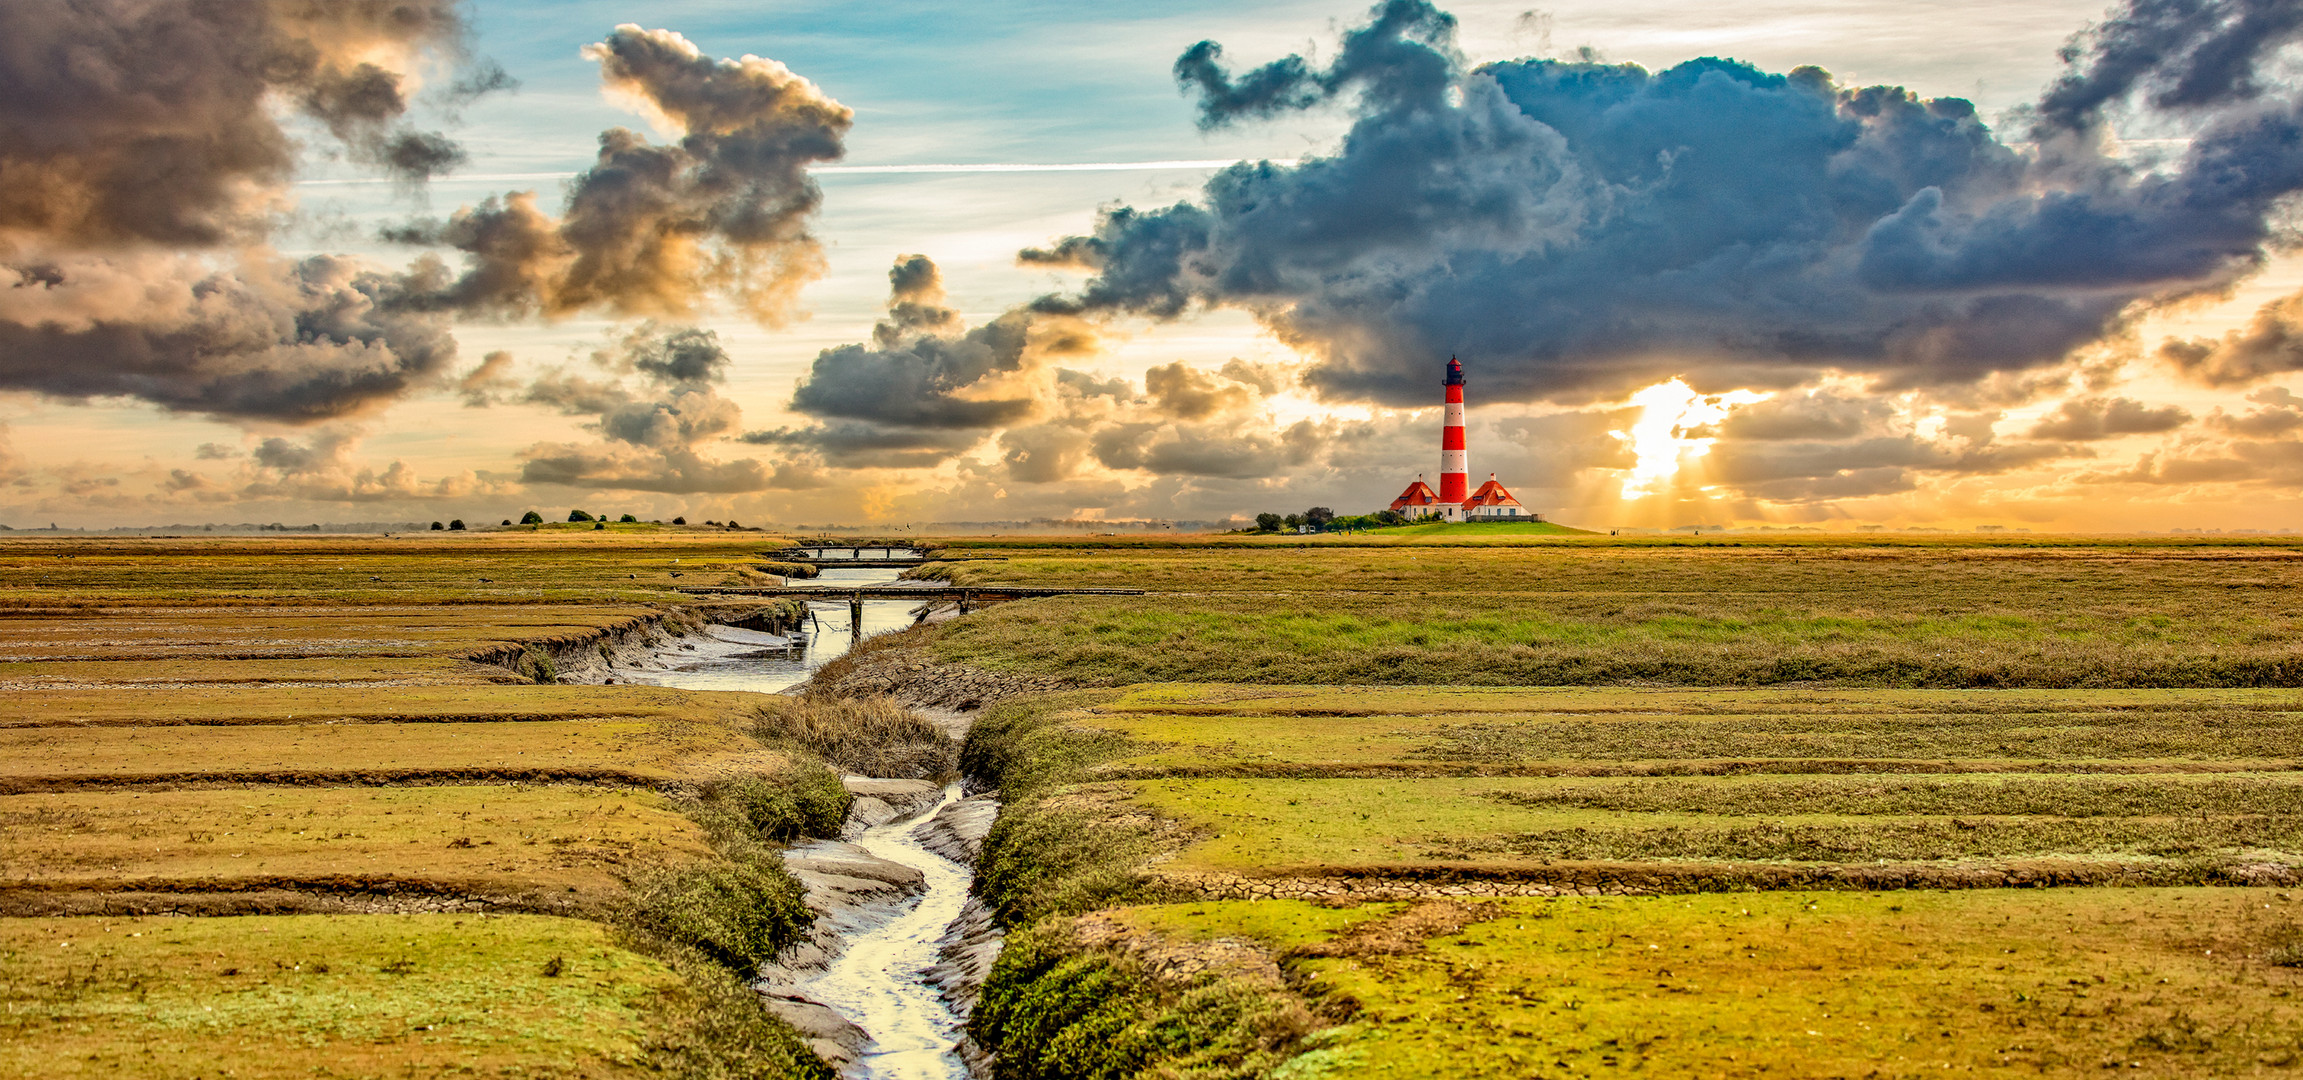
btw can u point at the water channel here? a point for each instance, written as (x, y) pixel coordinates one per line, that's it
(879, 981)
(732, 658)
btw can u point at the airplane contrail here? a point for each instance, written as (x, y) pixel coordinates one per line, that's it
(857, 170)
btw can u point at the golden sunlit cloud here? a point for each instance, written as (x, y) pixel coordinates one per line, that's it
(1659, 442)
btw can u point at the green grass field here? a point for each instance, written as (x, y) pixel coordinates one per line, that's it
(346, 996)
(1583, 612)
(249, 730)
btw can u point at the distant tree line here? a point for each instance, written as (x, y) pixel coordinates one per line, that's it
(1322, 519)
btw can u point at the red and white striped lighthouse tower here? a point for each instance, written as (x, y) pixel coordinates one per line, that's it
(1454, 478)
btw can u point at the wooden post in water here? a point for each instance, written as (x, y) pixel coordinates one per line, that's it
(856, 614)
(965, 596)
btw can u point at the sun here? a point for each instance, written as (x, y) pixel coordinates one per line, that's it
(1659, 443)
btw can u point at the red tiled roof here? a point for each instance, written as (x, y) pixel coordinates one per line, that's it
(1417, 494)
(1490, 494)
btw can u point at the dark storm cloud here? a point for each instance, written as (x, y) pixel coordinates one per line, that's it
(147, 121)
(658, 229)
(2183, 54)
(1405, 54)
(312, 341)
(2272, 344)
(2086, 419)
(142, 167)
(1578, 229)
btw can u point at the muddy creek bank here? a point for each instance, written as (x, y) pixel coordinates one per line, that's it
(883, 984)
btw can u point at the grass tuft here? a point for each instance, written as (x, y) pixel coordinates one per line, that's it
(869, 736)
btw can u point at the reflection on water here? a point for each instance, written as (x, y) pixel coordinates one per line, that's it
(732, 658)
(879, 981)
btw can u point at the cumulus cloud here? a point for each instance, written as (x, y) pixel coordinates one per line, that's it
(658, 230)
(493, 376)
(320, 466)
(152, 122)
(1839, 443)
(2087, 419)
(1185, 422)
(297, 342)
(142, 167)
(655, 407)
(927, 387)
(2270, 344)
(2280, 412)
(1581, 229)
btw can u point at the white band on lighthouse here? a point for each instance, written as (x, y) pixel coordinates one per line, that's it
(1454, 414)
(1452, 461)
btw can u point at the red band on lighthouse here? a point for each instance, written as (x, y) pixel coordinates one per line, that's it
(1454, 468)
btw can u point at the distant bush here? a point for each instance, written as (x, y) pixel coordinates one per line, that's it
(578, 515)
(679, 521)
(627, 518)
(600, 524)
(436, 526)
(1268, 523)
(456, 525)
(530, 518)
(507, 521)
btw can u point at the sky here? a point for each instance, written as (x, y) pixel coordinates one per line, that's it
(1846, 264)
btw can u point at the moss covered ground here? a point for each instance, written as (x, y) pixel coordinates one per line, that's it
(2167, 982)
(344, 996)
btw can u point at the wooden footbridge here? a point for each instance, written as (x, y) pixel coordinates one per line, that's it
(927, 591)
(869, 556)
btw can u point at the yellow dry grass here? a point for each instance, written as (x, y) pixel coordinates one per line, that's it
(625, 751)
(547, 847)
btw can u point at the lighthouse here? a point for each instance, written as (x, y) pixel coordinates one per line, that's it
(1454, 474)
(1455, 501)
